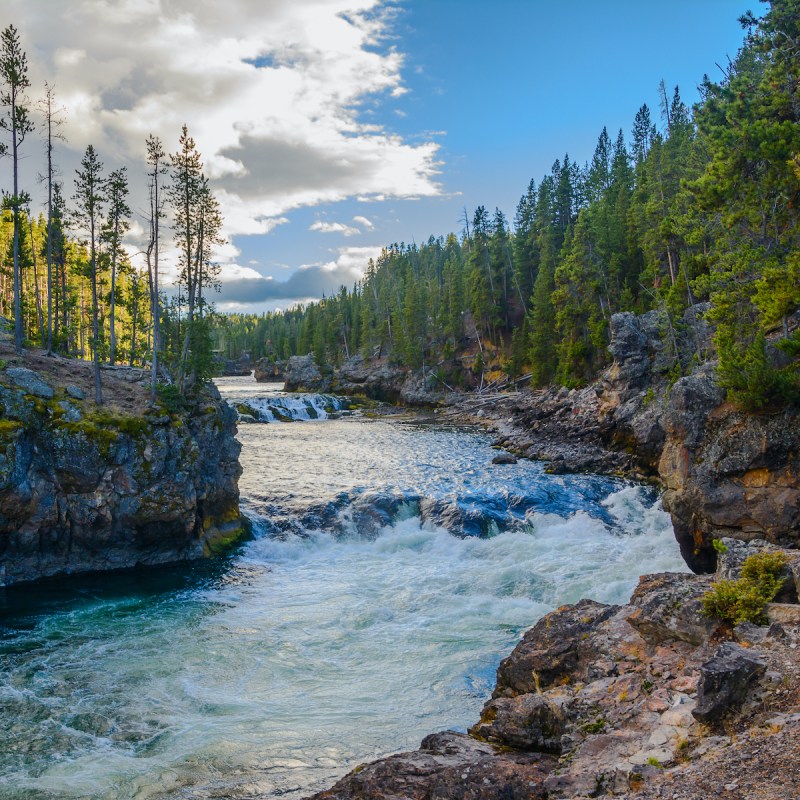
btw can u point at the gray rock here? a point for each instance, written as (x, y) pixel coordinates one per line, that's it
(75, 392)
(504, 458)
(557, 647)
(30, 382)
(725, 680)
(667, 606)
(71, 412)
(302, 374)
(447, 766)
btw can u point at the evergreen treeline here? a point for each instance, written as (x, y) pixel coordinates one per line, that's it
(703, 206)
(65, 278)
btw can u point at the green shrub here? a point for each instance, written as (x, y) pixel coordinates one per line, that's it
(171, 398)
(743, 600)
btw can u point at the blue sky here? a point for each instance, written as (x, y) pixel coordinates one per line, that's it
(333, 127)
(509, 88)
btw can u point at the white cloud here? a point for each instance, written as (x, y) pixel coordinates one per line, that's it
(271, 92)
(333, 227)
(363, 222)
(310, 281)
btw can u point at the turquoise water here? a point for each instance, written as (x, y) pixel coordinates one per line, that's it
(358, 619)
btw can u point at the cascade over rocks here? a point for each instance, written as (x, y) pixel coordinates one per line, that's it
(619, 701)
(87, 488)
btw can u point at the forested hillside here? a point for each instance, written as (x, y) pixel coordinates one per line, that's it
(694, 205)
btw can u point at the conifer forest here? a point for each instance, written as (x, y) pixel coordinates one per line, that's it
(691, 205)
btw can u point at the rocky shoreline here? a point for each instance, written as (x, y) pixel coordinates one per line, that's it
(86, 487)
(653, 699)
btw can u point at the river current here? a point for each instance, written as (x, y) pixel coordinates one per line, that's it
(392, 566)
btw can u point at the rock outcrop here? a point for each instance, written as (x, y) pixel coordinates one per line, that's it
(85, 487)
(630, 701)
(658, 413)
(268, 370)
(376, 380)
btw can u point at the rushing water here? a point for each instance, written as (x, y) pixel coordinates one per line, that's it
(358, 619)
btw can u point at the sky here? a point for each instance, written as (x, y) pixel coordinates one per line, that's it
(331, 128)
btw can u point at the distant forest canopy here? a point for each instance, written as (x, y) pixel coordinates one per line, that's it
(66, 280)
(703, 207)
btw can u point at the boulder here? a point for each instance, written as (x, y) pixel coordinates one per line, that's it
(302, 374)
(667, 606)
(268, 370)
(556, 648)
(529, 722)
(30, 382)
(725, 680)
(447, 765)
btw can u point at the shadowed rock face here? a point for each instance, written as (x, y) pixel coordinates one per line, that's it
(725, 472)
(85, 489)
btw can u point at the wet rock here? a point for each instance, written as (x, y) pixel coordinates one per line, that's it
(725, 680)
(504, 458)
(30, 382)
(447, 765)
(667, 606)
(529, 722)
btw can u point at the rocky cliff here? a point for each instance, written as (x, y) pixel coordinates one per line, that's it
(377, 379)
(657, 413)
(86, 487)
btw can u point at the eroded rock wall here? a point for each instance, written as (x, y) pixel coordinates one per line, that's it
(83, 488)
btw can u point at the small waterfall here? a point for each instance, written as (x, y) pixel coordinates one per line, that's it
(290, 407)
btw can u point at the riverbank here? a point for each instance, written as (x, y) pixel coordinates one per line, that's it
(652, 699)
(656, 414)
(86, 487)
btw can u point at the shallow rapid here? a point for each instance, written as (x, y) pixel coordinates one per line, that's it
(392, 567)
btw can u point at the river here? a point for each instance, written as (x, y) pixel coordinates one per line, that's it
(392, 566)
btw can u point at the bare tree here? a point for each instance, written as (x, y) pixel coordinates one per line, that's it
(53, 120)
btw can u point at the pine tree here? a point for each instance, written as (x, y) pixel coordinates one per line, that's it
(116, 225)
(16, 121)
(89, 201)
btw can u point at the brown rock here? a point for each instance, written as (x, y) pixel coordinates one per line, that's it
(668, 606)
(447, 765)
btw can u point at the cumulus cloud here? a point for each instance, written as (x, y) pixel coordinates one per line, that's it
(310, 281)
(334, 227)
(271, 91)
(363, 222)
